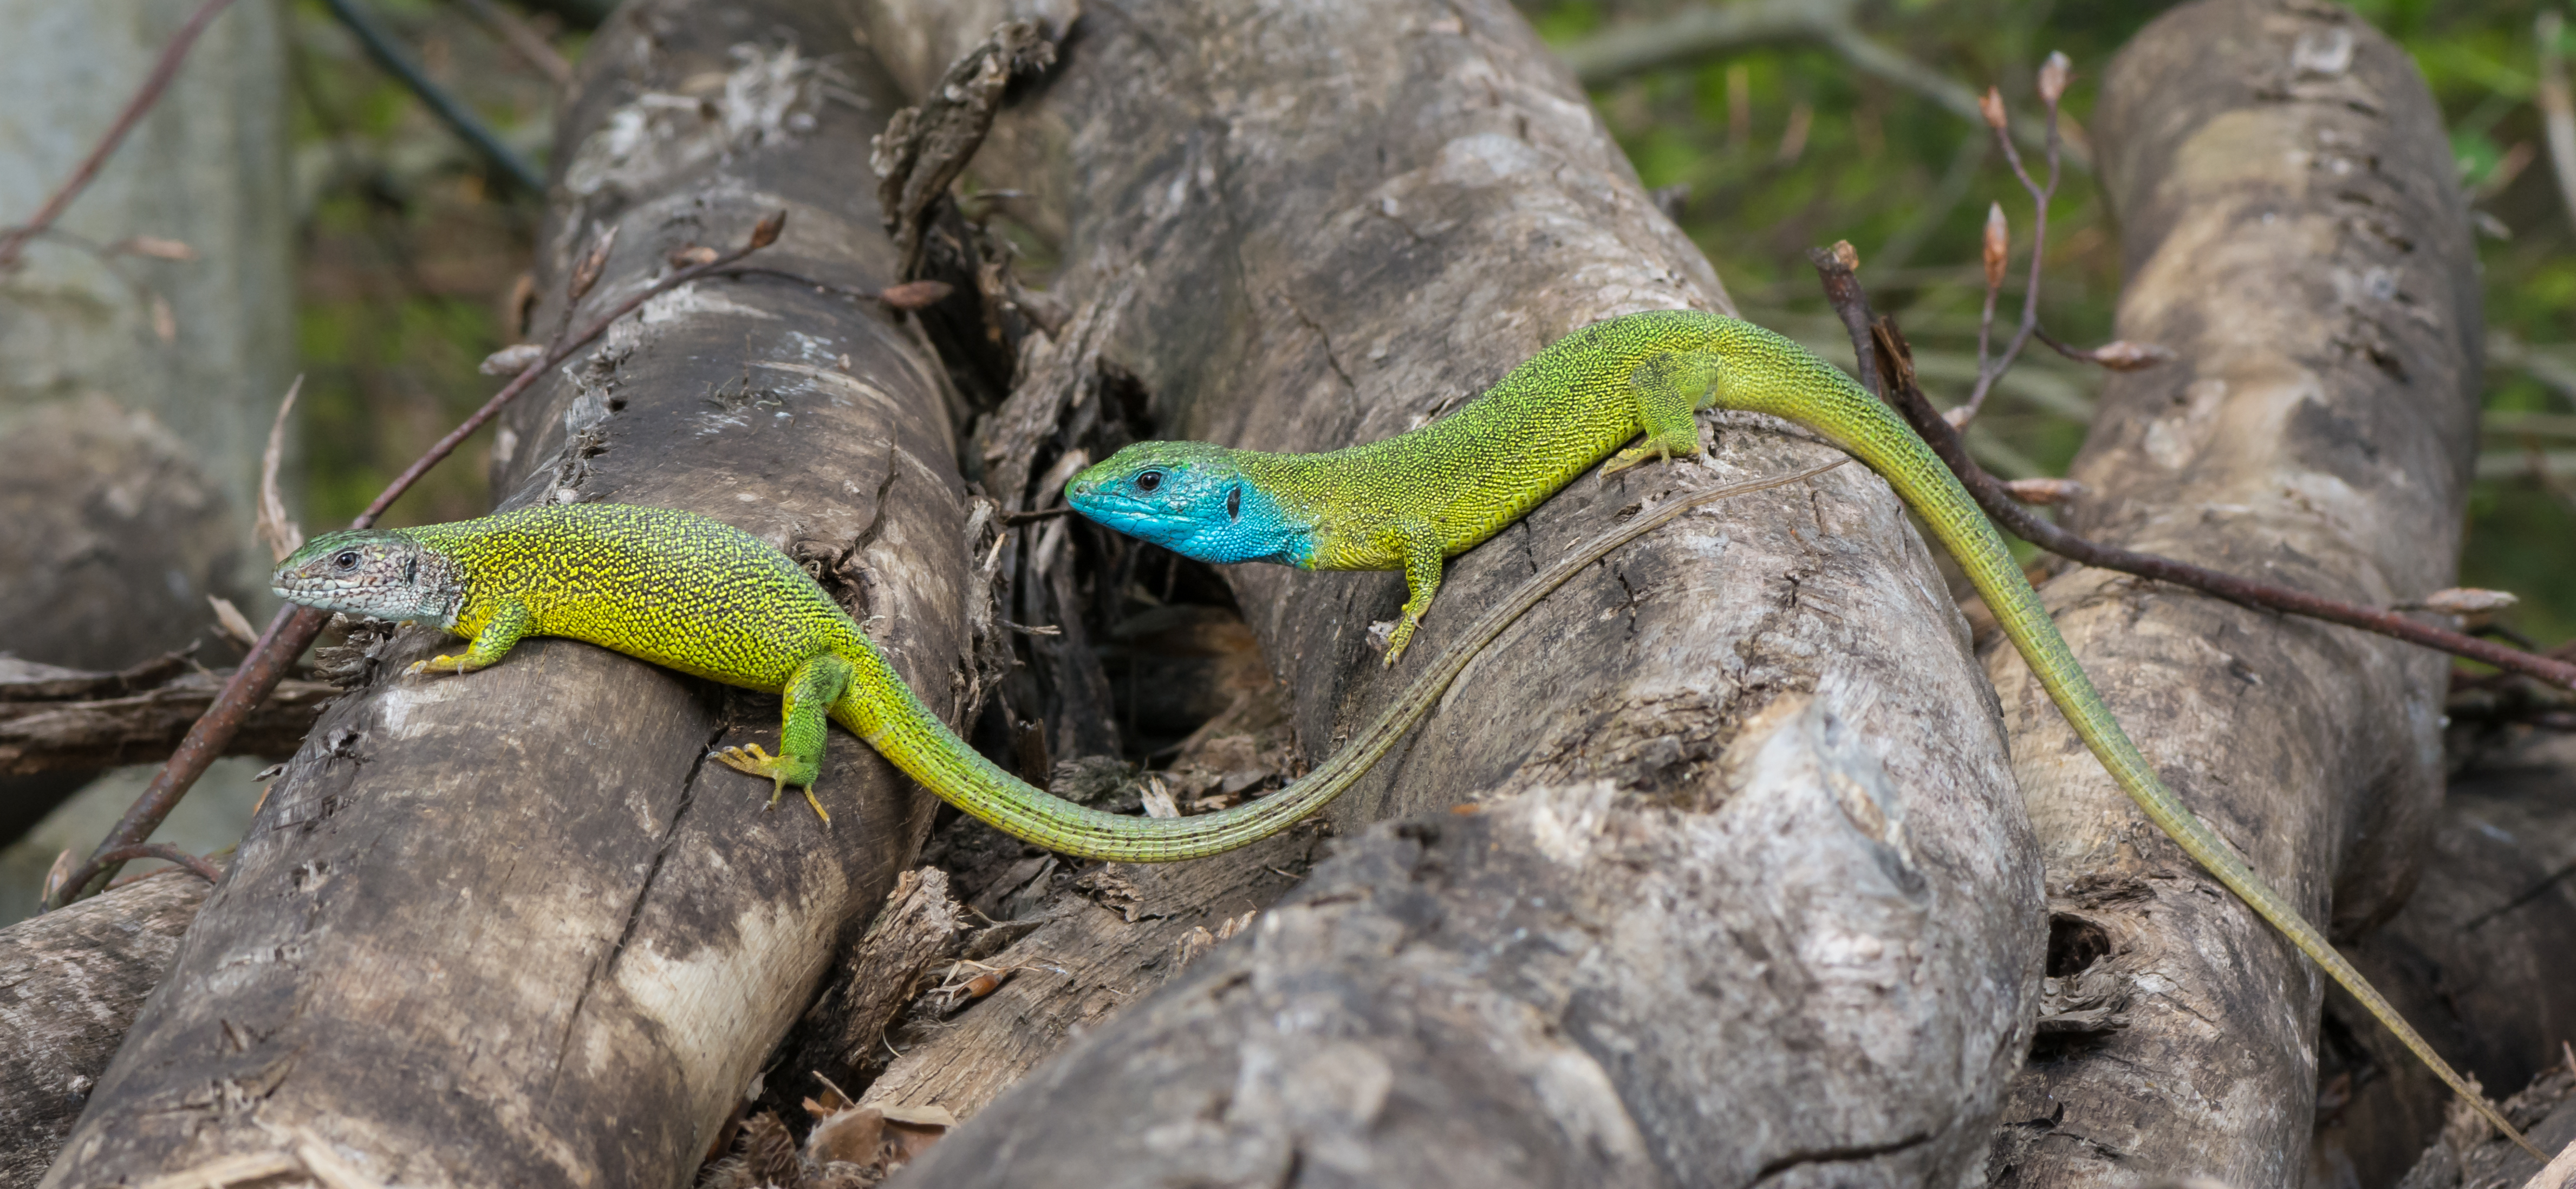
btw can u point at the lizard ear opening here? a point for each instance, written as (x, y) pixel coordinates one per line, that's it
(1234, 503)
(411, 568)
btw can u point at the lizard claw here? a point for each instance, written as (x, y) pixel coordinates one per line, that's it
(753, 760)
(442, 663)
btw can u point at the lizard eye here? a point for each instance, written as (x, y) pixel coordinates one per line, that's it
(1148, 480)
(347, 560)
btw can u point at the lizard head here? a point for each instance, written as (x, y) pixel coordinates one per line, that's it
(1194, 499)
(366, 571)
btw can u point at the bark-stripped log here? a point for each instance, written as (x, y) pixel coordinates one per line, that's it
(510, 928)
(1750, 895)
(2292, 229)
(70, 983)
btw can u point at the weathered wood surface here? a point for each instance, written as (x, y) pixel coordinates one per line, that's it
(1750, 895)
(510, 928)
(2292, 230)
(70, 983)
(2480, 959)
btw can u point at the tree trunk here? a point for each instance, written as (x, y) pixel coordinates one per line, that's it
(2293, 231)
(510, 928)
(128, 456)
(70, 983)
(1748, 895)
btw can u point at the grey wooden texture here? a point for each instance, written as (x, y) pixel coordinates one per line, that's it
(127, 460)
(70, 983)
(2292, 229)
(1750, 895)
(511, 928)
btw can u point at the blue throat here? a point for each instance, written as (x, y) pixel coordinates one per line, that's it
(1219, 527)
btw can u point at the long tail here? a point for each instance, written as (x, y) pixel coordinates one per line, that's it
(1787, 381)
(881, 709)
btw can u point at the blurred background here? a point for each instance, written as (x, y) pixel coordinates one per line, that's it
(296, 206)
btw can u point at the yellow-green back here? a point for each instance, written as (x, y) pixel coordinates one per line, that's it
(672, 588)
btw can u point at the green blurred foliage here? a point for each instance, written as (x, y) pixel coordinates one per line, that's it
(408, 256)
(1784, 147)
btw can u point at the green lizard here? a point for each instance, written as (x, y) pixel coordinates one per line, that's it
(1414, 500)
(703, 597)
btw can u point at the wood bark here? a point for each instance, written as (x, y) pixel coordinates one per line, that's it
(70, 983)
(2292, 230)
(511, 928)
(1747, 897)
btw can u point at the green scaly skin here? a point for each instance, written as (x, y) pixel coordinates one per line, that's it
(1407, 502)
(696, 595)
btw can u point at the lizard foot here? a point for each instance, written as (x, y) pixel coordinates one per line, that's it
(1637, 456)
(1400, 636)
(442, 663)
(753, 760)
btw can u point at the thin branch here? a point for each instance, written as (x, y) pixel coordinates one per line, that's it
(294, 628)
(1707, 30)
(506, 27)
(171, 854)
(1897, 384)
(2052, 88)
(382, 47)
(13, 242)
(2557, 109)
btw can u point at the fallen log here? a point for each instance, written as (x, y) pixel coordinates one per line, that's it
(1747, 890)
(511, 928)
(70, 983)
(2293, 231)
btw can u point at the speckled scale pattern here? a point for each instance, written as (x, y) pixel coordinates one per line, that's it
(669, 587)
(701, 596)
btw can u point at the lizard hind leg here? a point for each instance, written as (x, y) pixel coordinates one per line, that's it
(1667, 389)
(809, 694)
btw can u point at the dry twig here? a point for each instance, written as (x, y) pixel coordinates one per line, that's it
(1893, 380)
(13, 242)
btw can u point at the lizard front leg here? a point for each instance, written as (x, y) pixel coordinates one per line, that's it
(1668, 389)
(498, 636)
(1423, 561)
(809, 695)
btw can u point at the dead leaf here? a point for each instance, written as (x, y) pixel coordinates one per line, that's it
(2044, 491)
(585, 272)
(914, 295)
(155, 247)
(235, 626)
(510, 361)
(2467, 600)
(282, 536)
(2126, 356)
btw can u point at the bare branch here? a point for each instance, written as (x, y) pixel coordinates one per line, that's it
(1898, 386)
